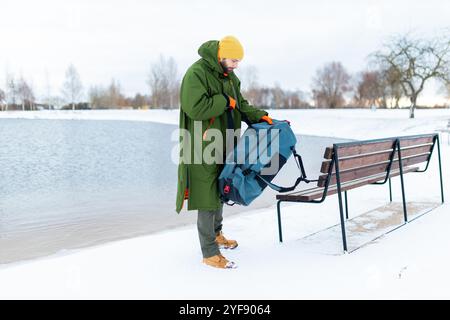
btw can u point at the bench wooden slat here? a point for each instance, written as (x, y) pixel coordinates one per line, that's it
(406, 142)
(377, 146)
(360, 161)
(364, 147)
(411, 160)
(362, 172)
(414, 151)
(374, 158)
(316, 193)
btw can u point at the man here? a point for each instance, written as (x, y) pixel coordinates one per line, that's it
(209, 92)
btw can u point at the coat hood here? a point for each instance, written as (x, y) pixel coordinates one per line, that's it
(209, 52)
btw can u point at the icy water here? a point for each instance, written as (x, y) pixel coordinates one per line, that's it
(66, 184)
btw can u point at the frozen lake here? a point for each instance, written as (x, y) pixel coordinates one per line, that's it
(67, 184)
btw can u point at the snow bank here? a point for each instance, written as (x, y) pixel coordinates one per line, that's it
(344, 123)
(162, 116)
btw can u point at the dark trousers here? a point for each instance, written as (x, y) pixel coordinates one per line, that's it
(209, 225)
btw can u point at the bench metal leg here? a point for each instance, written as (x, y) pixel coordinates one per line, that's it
(390, 190)
(405, 213)
(339, 192)
(341, 212)
(346, 205)
(440, 169)
(280, 233)
(402, 183)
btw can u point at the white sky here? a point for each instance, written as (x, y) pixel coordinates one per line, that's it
(285, 40)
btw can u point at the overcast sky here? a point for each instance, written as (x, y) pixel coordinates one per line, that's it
(285, 40)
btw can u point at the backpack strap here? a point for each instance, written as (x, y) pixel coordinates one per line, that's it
(299, 161)
(279, 188)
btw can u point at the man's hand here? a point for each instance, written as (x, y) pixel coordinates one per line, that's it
(231, 103)
(267, 119)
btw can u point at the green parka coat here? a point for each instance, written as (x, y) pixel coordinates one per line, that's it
(203, 98)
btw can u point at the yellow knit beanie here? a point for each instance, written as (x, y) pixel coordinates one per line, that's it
(230, 48)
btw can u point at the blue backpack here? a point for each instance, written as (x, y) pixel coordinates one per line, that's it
(260, 153)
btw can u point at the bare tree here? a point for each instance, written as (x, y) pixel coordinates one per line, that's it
(250, 88)
(72, 87)
(164, 83)
(378, 87)
(2, 100)
(259, 96)
(97, 97)
(139, 101)
(294, 100)
(57, 102)
(248, 76)
(330, 84)
(278, 96)
(370, 89)
(25, 94)
(392, 86)
(414, 62)
(11, 90)
(253, 95)
(47, 89)
(111, 97)
(116, 98)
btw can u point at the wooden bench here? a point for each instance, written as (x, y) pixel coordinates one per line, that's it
(352, 165)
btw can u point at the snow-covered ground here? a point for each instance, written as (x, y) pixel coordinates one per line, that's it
(411, 262)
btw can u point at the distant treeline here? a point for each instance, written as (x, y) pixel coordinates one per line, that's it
(398, 72)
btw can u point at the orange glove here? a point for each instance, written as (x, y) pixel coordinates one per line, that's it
(267, 119)
(232, 103)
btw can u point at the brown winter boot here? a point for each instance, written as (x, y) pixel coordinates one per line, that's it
(224, 243)
(219, 261)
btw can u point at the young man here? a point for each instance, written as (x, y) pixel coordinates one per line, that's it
(210, 91)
